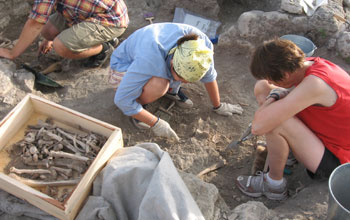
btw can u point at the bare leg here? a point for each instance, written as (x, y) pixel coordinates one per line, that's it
(154, 89)
(293, 133)
(63, 51)
(50, 33)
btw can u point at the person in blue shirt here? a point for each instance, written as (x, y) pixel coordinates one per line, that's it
(153, 62)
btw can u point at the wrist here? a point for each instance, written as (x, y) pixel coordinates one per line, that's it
(274, 95)
(154, 121)
(217, 107)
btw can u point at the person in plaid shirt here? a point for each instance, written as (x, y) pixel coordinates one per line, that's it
(76, 29)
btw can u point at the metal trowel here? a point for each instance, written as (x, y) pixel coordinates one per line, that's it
(41, 78)
(245, 136)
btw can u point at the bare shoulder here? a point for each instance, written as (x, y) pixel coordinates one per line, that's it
(318, 90)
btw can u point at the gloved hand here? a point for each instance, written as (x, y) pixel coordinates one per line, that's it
(228, 109)
(163, 129)
(278, 93)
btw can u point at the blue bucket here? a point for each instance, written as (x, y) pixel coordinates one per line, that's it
(306, 45)
(339, 195)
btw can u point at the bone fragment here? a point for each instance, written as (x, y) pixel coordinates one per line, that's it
(72, 138)
(35, 157)
(29, 171)
(68, 155)
(67, 172)
(71, 147)
(213, 167)
(43, 177)
(36, 183)
(75, 165)
(30, 137)
(33, 150)
(64, 176)
(53, 136)
(43, 142)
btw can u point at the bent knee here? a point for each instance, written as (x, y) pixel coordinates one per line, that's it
(261, 90)
(287, 126)
(49, 31)
(155, 88)
(61, 49)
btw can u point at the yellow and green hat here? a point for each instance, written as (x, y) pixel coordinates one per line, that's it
(192, 59)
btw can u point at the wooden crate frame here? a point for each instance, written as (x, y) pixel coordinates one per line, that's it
(16, 119)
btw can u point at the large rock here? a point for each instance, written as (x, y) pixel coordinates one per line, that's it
(292, 6)
(12, 87)
(251, 210)
(206, 196)
(343, 45)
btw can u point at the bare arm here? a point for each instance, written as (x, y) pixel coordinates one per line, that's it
(213, 92)
(312, 90)
(146, 117)
(29, 33)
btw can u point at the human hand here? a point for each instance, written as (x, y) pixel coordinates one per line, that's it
(278, 93)
(6, 53)
(45, 47)
(228, 109)
(163, 129)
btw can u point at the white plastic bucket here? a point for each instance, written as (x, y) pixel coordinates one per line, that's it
(306, 45)
(339, 193)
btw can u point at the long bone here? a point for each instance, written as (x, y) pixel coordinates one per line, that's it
(85, 146)
(53, 136)
(75, 165)
(67, 172)
(75, 149)
(29, 171)
(68, 155)
(36, 183)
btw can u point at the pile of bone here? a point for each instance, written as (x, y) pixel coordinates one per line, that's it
(53, 156)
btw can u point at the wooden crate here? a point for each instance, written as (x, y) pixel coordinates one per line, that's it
(12, 129)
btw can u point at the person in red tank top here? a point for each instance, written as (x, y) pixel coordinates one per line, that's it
(304, 107)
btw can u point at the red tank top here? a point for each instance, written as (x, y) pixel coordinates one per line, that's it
(331, 124)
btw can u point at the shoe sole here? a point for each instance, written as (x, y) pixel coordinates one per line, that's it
(269, 195)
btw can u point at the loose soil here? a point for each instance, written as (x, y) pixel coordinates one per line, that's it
(87, 91)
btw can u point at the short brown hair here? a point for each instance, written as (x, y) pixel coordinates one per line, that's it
(187, 37)
(274, 58)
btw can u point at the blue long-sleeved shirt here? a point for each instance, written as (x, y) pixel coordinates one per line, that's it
(144, 54)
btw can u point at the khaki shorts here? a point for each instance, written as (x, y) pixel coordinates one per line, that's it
(83, 35)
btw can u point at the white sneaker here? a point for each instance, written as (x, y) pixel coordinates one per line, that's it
(291, 159)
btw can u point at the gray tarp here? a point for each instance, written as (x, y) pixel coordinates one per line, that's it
(140, 183)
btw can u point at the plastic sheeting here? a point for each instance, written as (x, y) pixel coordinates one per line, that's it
(141, 182)
(310, 6)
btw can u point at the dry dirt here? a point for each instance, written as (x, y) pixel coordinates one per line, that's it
(87, 91)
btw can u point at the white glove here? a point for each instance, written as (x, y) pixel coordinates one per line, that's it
(278, 93)
(163, 129)
(228, 109)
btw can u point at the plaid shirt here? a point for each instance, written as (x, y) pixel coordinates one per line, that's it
(104, 12)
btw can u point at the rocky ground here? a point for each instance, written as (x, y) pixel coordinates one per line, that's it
(204, 134)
